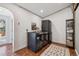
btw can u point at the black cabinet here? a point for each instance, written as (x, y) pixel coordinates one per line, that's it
(34, 41)
(46, 27)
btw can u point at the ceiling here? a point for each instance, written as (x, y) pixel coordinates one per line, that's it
(43, 9)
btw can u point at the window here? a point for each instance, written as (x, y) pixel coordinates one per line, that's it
(2, 27)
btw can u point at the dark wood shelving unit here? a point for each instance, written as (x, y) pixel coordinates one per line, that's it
(70, 33)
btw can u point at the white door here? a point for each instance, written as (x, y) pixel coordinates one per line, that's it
(6, 30)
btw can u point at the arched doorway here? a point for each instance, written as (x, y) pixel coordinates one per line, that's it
(6, 27)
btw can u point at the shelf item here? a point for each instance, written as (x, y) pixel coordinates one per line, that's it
(69, 43)
(70, 33)
(69, 38)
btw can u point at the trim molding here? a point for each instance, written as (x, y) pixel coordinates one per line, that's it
(6, 44)
(19, 48)
(59, 44)
(28, 10)
(39, 15)
(76, 52)
(76, 7)
(57, 11)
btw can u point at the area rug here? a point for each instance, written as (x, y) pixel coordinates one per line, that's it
(55, 50)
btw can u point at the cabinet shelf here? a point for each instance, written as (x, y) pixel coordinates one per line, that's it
(70, 38)
(71, 31)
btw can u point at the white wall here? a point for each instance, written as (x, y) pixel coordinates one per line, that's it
(59, 25)
(77, 31)
(25, 19)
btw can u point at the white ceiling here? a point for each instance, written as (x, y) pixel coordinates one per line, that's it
(43, 9)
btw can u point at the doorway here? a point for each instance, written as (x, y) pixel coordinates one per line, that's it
(6, 32)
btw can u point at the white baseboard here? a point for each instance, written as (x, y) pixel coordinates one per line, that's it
(20, 47)
(76, 52)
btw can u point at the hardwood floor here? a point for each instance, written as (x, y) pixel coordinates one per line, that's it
(72, 52)
(28, 52)
(6, 50)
